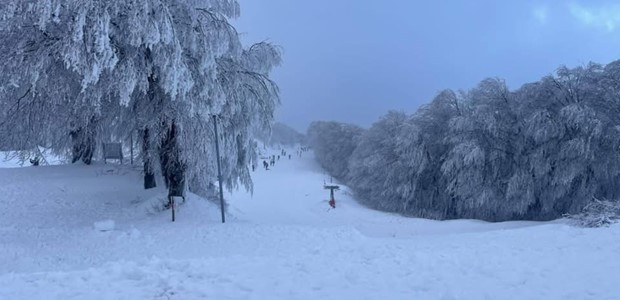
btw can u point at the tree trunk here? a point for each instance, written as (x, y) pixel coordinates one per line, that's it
(88, 150)
(164, 156)
(149, 175)
(76, 149)
(89, 143)
(83, 140)
(173, 168)
(163, 164)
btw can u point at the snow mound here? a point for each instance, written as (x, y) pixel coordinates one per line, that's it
(154, 205)
(107, 225)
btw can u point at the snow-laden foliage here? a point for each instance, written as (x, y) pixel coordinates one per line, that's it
(333, 144)
(597, 213)
(490, 153)
(282, 134)
(379, 150)
(75, 73)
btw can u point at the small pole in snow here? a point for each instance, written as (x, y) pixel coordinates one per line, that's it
(219, 171)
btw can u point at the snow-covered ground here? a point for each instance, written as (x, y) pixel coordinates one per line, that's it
(89, 232)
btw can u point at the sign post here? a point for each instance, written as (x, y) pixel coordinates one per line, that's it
(332, 188)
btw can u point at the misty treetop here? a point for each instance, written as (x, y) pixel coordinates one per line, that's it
(333, 143)
(75, 73)
(282, 135)
(538, 152)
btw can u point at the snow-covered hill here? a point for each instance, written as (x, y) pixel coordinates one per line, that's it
(282, 242)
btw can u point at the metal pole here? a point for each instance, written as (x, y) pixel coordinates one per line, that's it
(131, 143)
(219, 168)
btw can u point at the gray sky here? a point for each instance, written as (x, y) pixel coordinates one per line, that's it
(353, 60)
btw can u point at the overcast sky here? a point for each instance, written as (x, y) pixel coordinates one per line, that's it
(353, 60)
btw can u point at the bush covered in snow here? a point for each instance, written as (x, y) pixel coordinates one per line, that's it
(597, 213)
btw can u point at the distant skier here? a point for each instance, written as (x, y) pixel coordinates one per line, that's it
(266, 165)
(289, 157)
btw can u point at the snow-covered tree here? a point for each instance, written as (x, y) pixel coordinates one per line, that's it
(539, 152)
(426, 146)
(282, 134)
(572, 147)
(333, 145)
(160, 67)
(485, 151)
(378, 169)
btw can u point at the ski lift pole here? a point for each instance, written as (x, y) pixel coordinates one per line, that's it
(219, 167)
(131, 147)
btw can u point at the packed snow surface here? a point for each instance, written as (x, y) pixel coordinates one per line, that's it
(106, 225)
(282, 242)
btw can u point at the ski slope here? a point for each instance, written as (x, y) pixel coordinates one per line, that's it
(90, 232)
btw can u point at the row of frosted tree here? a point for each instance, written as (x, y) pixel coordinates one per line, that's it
(75, 73)
(535, 153)
(281, 135)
